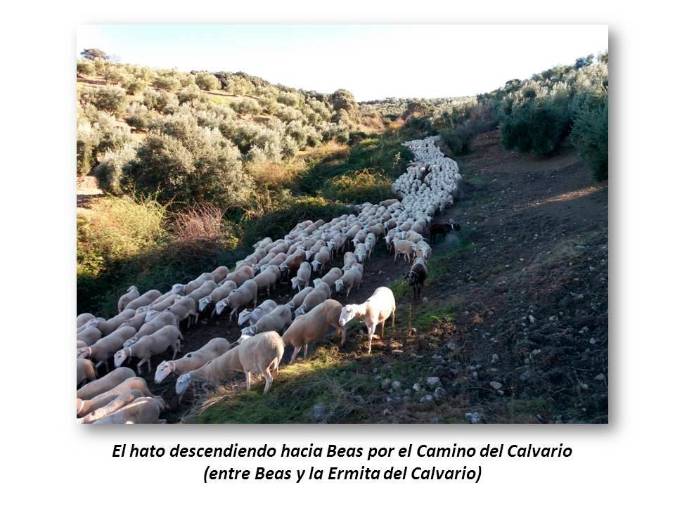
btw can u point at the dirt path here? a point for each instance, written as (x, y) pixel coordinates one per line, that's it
(513, 327)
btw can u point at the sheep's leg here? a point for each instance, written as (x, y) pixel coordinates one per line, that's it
(304, 355)
(175, 351)
(296, 350)
(248, 379)
(268, 380)
(393, 318)
(138, 367)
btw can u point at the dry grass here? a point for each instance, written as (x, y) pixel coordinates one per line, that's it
(202, 222)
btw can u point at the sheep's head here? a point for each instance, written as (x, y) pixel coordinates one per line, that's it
(149, 315)
(339, 286)
(203, 302)
(317, 282)
(221, 305)
(121, 356)
(183, 382)
(295, 282)
(132, 288)
(316, 265)
(248, 331)
(348, 313)
(178, 289)
(164, 370)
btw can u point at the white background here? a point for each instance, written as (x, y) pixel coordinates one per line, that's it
(46, 457)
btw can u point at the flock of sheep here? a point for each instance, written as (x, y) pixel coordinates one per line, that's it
(149, 324)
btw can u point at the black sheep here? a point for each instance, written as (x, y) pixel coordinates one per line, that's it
(416, 277)
(443, 229)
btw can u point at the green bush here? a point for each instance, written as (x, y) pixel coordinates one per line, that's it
(590, 134)
(116, 228)
(86, 68)
(188, 164)
(167, 83)
(110, 169)
(538, 126)
(207, 81)
(359, 186)
(111, 99)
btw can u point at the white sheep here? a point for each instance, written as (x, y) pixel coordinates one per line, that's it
(112, 324)
(83, 318)
(219, 273)
(202, 291)
(86, 406)
(330, 277)
(403, 247)
(350, 279)
(131, 294)
(85, 370)
(319, 293)
(105, 347)
(142, 410)
(303, 276)
(193, 360)
(277, 319)
(297, 299)
(113, 405)
(314, 325)
(185, 308)
(251, 316)
(259, 354)
(267, 278)
(144, 300)
(349, 259)
(151, 345)
(197, 282)
(105, 383)
(376, 310)
(157, 321)
(89, 335)
(218, 293)
(321, 259)
(242, 296)
(241, 275)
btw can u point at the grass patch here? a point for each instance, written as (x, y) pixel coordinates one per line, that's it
(383, 152)
(325, 380)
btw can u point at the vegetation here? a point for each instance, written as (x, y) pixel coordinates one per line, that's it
(535, 115)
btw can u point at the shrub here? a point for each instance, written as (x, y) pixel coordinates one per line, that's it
(247, 106)
(135, 86)
(86, 68)
(359, 186)
(87, 140)
(207, 81)
(110, 169)
(117, 228)
(590, 134)
(539, 125)
(111, 99)
(188, 94)
(166, 82)
(192, 165)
